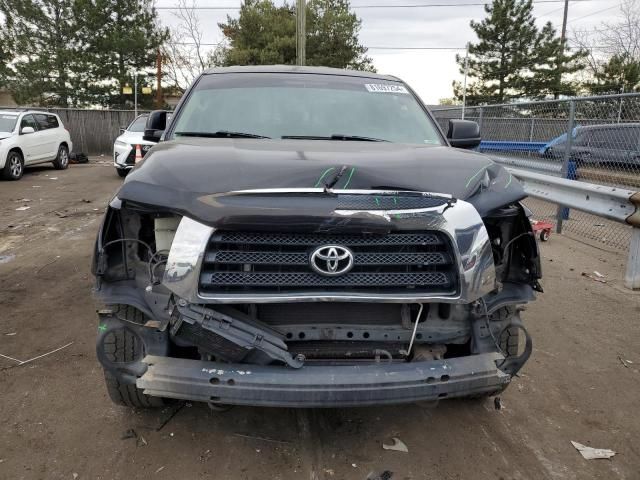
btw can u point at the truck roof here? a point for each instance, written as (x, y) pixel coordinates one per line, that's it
(299, 69)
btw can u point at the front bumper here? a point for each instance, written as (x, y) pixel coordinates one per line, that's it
(322, 386)
(120, 154)
(124, 154)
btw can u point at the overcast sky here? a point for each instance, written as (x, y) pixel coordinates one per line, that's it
(429, 72)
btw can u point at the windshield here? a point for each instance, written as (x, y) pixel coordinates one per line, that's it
(277, 105)
(138, 124)
(7, 122)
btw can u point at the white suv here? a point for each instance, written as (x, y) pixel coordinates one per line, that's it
(31, 137)
(124, 148)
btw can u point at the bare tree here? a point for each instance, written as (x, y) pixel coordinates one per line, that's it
(620, 38)
(185, 54)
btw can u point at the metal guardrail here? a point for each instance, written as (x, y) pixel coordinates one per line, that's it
(548, 167)
(502, 146)
(614, 203)
(598, 135)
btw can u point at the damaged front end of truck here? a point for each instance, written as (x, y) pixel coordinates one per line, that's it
(313, 296)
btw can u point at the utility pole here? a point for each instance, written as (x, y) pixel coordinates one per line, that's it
(301, 32)
(159, 101)
(135, 94)
(563, 41)
(464, 86)
(563, 34)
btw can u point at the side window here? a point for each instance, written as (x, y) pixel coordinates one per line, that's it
(28, 121)
(43, 123)
(52, 121)
(581, 138)
(628, 138)
(598, 138)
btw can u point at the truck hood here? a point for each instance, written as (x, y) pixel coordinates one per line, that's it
(182, 175)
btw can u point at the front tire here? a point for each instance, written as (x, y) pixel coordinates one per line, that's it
(13, 167)
(122, 172)
(123, 346)
(62, 160)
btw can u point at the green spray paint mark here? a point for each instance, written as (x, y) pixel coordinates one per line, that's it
(475, 175)
(349, 179)
(377, 201)
(509, 182)
(326, 172)
(395, 200)
(102, 328)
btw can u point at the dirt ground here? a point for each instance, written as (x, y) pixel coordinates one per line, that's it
(56, 422)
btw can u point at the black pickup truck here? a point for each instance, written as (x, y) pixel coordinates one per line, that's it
(308, 237)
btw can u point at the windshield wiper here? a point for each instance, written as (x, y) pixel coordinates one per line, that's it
(335, 136)
(220, 134)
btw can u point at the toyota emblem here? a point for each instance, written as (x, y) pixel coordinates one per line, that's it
(331, 260)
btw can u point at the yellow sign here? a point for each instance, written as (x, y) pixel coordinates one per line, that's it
(127, 90)
(146, 90)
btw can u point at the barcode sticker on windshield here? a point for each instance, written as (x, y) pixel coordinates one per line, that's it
(385, 88)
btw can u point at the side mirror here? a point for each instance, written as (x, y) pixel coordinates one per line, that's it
(26, 130)
(156, 125)
(122, 130)
(463, 134)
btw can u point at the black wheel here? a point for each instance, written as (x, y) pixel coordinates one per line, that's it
(122, 172)
(62, 160)
(13, 167)
(544, 235)
(123, 346)
(509, 341)
(509, 344)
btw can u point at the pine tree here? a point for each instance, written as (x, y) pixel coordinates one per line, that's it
(513, 58)
(497, 60)
(264, 33)
(620, 74)
(45, 34)
(332, 36)
(551, 67)
(5, 56)
(119, 38)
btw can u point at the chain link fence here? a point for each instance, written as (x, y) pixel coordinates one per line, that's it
(591, 139)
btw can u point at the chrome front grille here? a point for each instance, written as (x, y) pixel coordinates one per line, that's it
(275, 263)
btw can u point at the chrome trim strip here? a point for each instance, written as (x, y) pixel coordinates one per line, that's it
(334, 192)
(460, 222)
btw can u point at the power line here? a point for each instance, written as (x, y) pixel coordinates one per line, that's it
(593, 13)
(202, 44)
(362, 7)
(429, 5)
(378, 47)
(415, 48)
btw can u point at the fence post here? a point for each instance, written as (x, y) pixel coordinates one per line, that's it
(480, 115)
(533, 123)
(563, 212)
(632, 277)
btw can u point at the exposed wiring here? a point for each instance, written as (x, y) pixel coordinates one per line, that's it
(152, 255)
(486, 320)
(153, 271)
(127, 240)
(508, 244)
